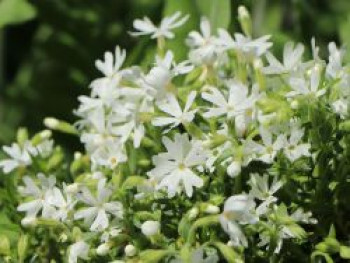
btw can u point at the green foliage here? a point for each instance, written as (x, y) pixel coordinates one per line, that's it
(15, 12)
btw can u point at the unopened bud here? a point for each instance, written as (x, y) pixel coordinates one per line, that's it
(212, 209)
(130, 250)
(193, 213)
(150, 228)
(294, 104)
(29, 221)
(245, 20)
(103, 249)
(51, 123)
(234, 169)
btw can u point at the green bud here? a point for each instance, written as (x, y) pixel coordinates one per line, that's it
(22, 135)
(22, 247)
(245, 20)
(62, 126)
(5, 248)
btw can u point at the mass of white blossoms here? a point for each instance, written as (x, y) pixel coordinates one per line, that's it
(214, 158)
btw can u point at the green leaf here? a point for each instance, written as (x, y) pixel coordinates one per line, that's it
(15, 11)
(133, 181)
(228, 252)
(344, 252)
(9, 229)
(202, 222)
(217, 11)
(186, 7)
(154, 255)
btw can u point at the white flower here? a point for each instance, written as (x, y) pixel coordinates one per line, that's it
(266, 151)
(150, 228)
(146, 27)
(175, 167)
(260, 187)
(110, 155)
(111, 66)
(158, 81)
(262, 190)
(249, 48)
(132, 125)
(238, 209)
(293, 149)
(203, 45)
(334, 67)
(302, 87)
(291, 60)
(19, 156)
(178, 116)
(97, 214)
(238, 101)
(64, 201)
(43, 196)
(78, 250)
(341, 107)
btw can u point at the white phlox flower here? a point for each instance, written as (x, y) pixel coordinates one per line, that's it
(302, 87)
(43, 196)
(292, 60)
(158, 81)
(97, 214)
(268, 149)
(203, 44)
(238, 209)
(178, 116)
(20, 156)
(146, 27)
(174, 168)
(237, 102)
(79, 250)
(293, 147)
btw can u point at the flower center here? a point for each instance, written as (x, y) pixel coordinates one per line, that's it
(182, 166)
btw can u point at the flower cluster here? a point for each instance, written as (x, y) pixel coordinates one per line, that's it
(194, 161)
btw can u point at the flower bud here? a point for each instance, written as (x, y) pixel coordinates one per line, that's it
(245, 20)
(73, 188)
(234, 169)
(294, 104)
(29, 221)
(150, 228)
(130, 250)
(212, 209)
(193, 213)
(51, 123)
(102, 249)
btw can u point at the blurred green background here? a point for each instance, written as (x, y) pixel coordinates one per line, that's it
(48, 47)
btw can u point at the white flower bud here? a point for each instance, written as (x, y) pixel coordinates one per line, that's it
(102, 249)
(45, 134)
(193, 213)
(28, 221)
(230, 243)
(77, 155)
(130, 250)
(258, 64)
(51, 123)
(234, 169)
(294, 104)
(212, 209)
(72, 188)
(243, 12)
(150, 228)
